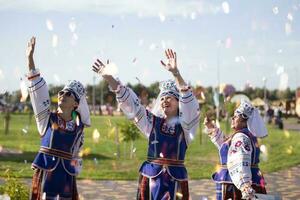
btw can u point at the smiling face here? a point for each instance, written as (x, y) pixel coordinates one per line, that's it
(66, 100)
(238, 122)
(169, 105)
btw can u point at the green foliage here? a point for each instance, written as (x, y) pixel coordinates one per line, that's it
(14, 188)
(129, 131)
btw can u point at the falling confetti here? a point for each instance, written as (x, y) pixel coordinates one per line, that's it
(72, 26)
(161, 155)
(152, 47)
(288, 29)
(191, 136)
(1, 75)
(228, 43)
(96, 135)
(95, 161)
(56, 78)
(193, 15)
(134, 60)
(275, 10)
(179, 195)
(134, 150)
(283, 83)
(225, 7)
(24, 130)
(289, 150)
(54, 40)
(49, 25)
(286, 134)
(141, 42)
(264, 152)
(162, 17)
(290, 17)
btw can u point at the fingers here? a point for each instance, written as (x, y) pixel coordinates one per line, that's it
(162, 62)
(98, 66)
(170, 54)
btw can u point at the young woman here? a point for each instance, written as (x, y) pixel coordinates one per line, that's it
(239, 176)
(169, 128)
(57, 162)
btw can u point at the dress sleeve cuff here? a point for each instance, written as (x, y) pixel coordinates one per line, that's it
(33, 74)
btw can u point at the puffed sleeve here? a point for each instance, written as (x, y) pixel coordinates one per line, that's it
(40, 100)
(239, 160)
(134, 110)
(189, 113)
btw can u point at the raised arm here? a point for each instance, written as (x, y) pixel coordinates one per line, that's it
(127, 99)
(214, 133)
(189, 111)
(38, 91)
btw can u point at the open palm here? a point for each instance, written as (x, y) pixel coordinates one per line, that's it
(171, 64)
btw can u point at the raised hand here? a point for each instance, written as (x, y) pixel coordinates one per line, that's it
(30, 47)
(171, 64)
(29, 53)
(100, 68)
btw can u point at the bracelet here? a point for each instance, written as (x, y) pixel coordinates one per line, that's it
(33, 73)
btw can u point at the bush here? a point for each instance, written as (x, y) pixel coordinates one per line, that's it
(14, 188)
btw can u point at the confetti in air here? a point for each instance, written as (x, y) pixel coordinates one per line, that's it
(72, 26)
(162, 17)
(152, 46)
(49, 25)
(288, 29)
(225, 7)
(264, 152)
(275, 10)
(290, 17)
(283, 83)
(96, 135)
(193, 16)
(286, 134)
(54, 40)
(161, 155)
(56, 78)
(228, 43)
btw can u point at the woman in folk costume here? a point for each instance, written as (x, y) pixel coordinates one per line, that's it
(169, 129)
(57, 162)
(239, 176)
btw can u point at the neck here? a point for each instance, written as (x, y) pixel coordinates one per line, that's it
(65, 114)
(169, 117)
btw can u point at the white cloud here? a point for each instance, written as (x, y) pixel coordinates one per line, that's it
(108, 7)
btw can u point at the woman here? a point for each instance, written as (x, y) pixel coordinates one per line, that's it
(239, 176)
(57, 162)
(169, 129)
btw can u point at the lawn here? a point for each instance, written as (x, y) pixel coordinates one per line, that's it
(100, 161)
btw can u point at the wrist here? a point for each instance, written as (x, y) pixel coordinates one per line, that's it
(176, 73)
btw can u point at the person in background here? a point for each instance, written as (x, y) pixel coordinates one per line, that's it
(239, 176)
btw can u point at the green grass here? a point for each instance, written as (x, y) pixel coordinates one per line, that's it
(101, 163)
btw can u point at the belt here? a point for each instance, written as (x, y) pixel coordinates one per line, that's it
(56, 153)
(167, 162)
(252, 166)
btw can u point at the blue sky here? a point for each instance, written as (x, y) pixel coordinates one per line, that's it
(251, 39)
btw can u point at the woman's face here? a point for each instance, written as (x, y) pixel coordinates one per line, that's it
(238, 122)
(169, 105)
(66, 100)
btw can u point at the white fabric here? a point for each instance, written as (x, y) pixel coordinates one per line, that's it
(40, 100)
(239, 160)
(189, 112)
(84, 111)
(256, 125)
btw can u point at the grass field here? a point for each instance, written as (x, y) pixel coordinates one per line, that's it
(100, 161)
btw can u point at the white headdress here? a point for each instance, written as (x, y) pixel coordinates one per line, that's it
(167, 88)
(255, 123)
(78, 91)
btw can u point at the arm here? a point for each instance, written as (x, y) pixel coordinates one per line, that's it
(38, 91)
(239, 163)
(214, 133)
(189, 111)
(128, 101)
